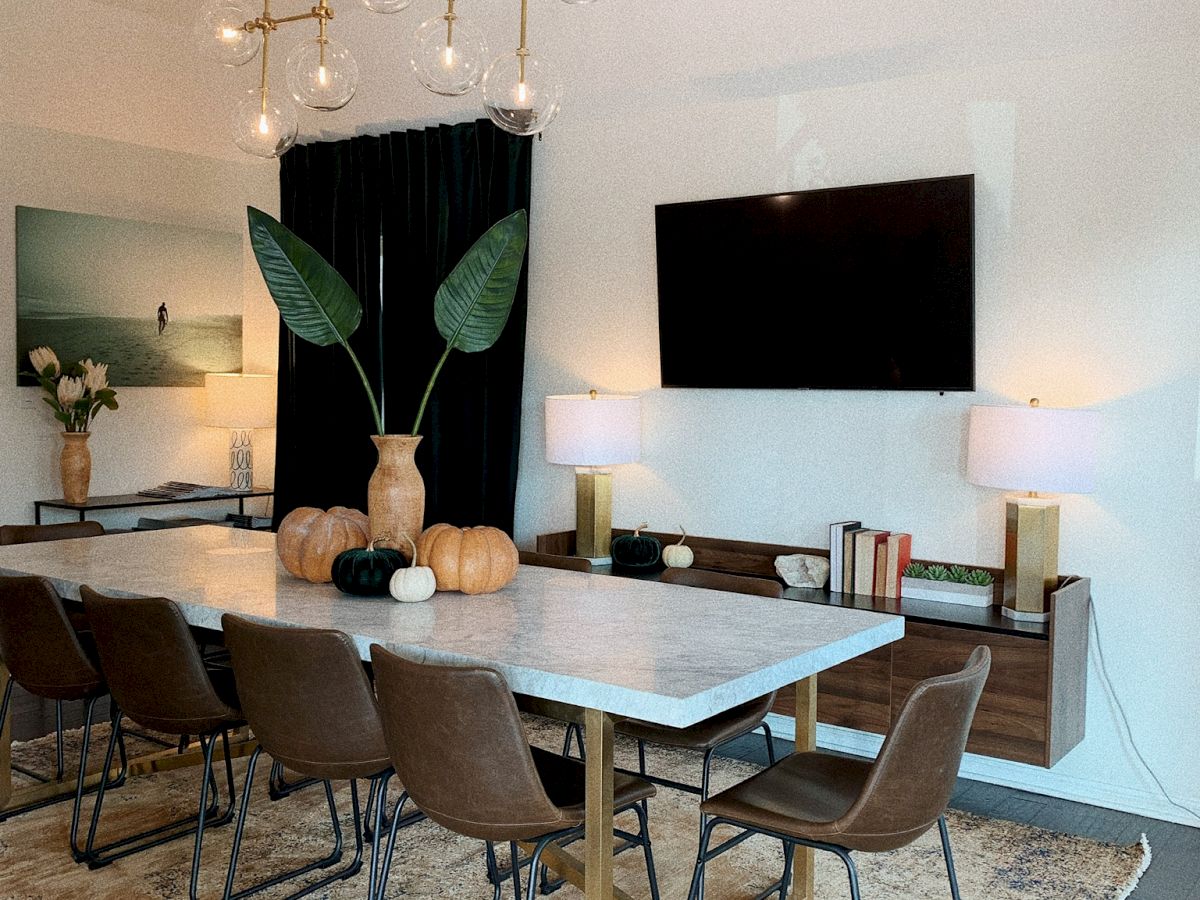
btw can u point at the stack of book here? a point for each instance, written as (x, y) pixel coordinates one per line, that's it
(867, 560)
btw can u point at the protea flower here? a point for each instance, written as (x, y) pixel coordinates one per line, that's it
(95, 376)
(70, 391)
(41, 357)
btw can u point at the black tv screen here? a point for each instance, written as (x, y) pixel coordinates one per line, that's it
(869, 287)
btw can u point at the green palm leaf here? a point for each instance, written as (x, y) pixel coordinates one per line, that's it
(473, 304)
(313, 299)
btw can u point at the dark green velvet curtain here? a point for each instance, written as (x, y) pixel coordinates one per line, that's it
(394, 214)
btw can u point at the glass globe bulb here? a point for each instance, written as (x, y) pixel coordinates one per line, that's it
(221, 32)
(322, 80)
(268, 132)
(386, 6)
(453, 67)
(521, 106)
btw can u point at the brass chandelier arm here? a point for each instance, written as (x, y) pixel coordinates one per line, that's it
(267, 23)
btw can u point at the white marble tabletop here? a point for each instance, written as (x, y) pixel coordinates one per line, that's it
(666, 653)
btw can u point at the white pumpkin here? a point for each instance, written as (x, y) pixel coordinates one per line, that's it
(677, 556)
(414, 584)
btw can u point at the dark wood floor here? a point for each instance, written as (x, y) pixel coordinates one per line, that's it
(1174, 873)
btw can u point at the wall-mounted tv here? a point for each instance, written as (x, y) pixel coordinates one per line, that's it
(869, 287)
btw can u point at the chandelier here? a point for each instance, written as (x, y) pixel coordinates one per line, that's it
(521, 92)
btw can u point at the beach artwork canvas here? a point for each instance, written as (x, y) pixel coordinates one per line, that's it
(161, 304)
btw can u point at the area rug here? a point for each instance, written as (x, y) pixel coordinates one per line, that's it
(996, 860)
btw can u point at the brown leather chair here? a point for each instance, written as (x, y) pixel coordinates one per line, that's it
(706, 736)
(33, 534)
(310, 705)
(461, 752)
(46, 656)
(158, 680)
(841, 805)
(29, 534)
(554, 561)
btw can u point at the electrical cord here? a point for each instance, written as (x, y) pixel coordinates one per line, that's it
(1094, 620)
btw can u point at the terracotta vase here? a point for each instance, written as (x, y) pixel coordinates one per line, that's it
(396, 492)
(75, 466)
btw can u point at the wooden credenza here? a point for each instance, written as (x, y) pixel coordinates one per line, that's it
(1033, 707)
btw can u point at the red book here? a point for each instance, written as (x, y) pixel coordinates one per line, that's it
(899, 555)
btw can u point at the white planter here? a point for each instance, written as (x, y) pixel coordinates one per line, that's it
(946, 592)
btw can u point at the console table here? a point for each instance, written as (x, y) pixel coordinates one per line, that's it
(1032, 709)
(129, 501)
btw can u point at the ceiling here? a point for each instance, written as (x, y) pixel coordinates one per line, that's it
(128, 69)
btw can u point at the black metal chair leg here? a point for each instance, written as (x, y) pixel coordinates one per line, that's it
(209, 747)
(697, 887)
(789, 854)
(516, 870)
(397, 816)
(77, 854)
(534, 862)
(241, 822)
(945, 833)
(98, 857)
(770, 743)
(58, 743)
(378, 794)
(644, 830)
(851, 870)
(334, 857)
(492, 867)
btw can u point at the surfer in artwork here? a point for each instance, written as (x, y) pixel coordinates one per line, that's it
(163, 318)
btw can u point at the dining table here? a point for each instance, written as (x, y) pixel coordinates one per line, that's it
(612, 648)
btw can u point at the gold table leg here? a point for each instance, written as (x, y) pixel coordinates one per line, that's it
(806, 739)
(598, 824)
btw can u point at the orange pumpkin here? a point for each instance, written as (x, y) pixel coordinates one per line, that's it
(472, 560)
(309, 540)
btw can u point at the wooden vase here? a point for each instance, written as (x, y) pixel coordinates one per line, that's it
(75, 466)
(396, 492)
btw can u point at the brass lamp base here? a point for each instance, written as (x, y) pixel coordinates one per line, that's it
(1030, 558)
(593, 515)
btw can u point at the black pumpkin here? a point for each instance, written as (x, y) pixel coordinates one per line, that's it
(637, 552)
(366, 571)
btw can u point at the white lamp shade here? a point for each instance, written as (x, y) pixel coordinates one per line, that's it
(1030, 448)
(240, 401)
(586, 431)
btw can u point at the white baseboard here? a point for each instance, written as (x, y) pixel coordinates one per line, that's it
(1011, 774)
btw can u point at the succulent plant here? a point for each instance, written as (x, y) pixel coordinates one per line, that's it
(958, 574)
(915, 570)
(937, 573)
(980, 577)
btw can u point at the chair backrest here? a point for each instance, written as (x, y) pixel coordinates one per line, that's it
(305, 693)
(460, 750)
(553, 561)
(31, 534)
(38, 644)
(913, 777)
(154, 669)
(723, 581)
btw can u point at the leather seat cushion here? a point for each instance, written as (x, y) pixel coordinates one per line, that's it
(563, 779)
(802, 795)
(703, 735)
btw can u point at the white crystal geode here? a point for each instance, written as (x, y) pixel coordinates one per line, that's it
(803, 570)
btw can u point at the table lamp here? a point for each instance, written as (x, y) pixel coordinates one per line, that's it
(240, 403)
(592, 432)
(1031, 448)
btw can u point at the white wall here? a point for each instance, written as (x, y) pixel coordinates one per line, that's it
(157, 434)
(1088, 220)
